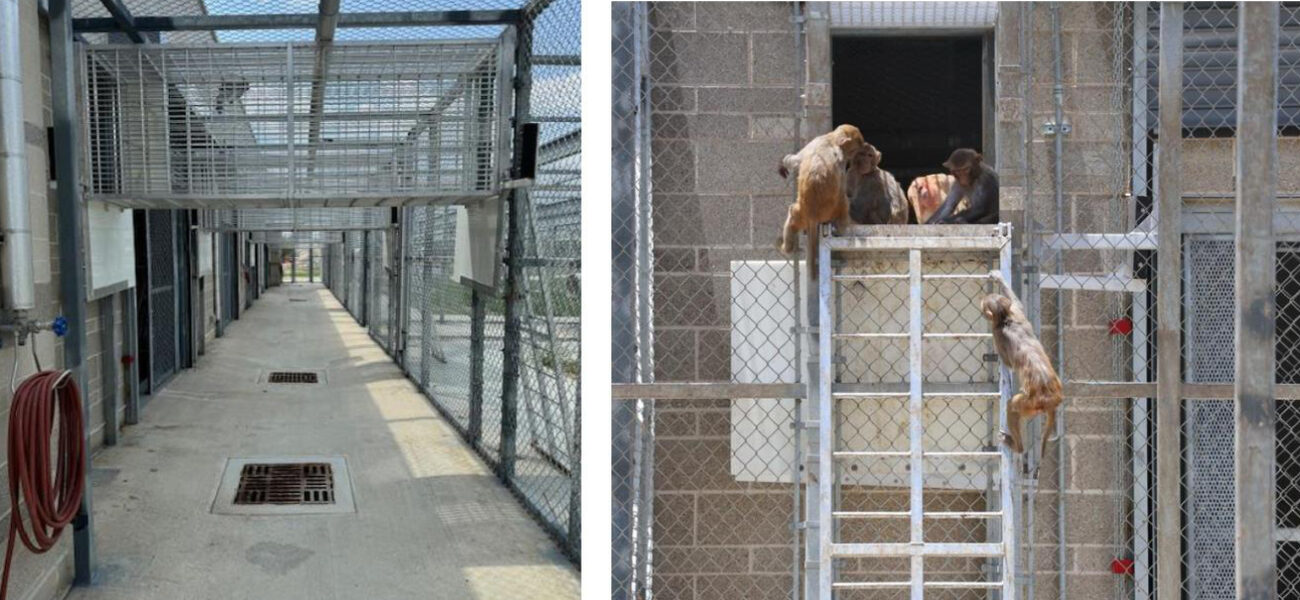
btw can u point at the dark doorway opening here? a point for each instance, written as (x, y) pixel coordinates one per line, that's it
(915, 98)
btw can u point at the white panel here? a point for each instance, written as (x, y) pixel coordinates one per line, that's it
(762, 302)
(914, 15)
(112, 246)
(205, 253)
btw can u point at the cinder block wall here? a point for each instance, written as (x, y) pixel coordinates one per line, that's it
(724, 102)
(38, 577)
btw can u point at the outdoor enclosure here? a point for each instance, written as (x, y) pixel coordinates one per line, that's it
(715, 333)
(382, 144)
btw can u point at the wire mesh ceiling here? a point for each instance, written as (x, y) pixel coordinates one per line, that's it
(300, 219)
(296, 238)
(223, 126)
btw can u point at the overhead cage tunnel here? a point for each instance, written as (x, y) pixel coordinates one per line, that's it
(297, 124)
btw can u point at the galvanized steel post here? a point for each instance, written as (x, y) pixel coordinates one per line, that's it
(72, 292)
(518, 201)
(1256, 258)
(1169, 554)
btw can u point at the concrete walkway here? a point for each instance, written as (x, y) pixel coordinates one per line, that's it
(431, 520)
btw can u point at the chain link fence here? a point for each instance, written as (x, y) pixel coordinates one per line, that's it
(706, 502)
(503, 364)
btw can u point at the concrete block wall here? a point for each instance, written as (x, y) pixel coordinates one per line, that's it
(724, 101)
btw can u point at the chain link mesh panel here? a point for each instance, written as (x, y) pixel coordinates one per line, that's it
(454, 340)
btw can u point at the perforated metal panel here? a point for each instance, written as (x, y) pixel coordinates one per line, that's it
(1209, 425)
(162, 295)
(224, 126)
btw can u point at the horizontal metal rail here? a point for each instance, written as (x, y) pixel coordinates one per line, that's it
(442, 18)
(1073, 389)
(926, 549)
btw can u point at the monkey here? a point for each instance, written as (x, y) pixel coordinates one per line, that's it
(1020, 350)
(926, 193)
(975, 181)
(821, 182)
(875, 198)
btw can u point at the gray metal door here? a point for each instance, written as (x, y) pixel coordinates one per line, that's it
(164, 341)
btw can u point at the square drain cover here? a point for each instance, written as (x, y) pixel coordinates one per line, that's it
(292, 377)
(285, 485)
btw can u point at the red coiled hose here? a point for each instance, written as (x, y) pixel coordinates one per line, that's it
(51, 504)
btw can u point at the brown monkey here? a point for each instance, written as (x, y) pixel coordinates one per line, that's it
(821, 183)
(976, 184)
(1020, 350)
(927, 193)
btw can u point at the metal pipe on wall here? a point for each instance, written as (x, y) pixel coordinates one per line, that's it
(16, 252)
(1058, 184)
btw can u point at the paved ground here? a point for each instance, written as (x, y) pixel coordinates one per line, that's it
(431, 520)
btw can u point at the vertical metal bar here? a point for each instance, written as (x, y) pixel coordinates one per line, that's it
(1058, 188)
(108, 370)
(825, 410)
(131, 345)
(1032, 266)
(514, 235)
(916, 420)
(1168, 289)
(1008, 492)
(801, 75)
(63, 88)
(1141, 460)
(814, 559)
(289, 102)
(1256, 258)
(477, 330)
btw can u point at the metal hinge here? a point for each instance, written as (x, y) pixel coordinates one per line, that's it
(1051, 128)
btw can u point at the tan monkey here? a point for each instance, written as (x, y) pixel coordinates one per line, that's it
(821, 183)
(1020, 350)
(926, 194)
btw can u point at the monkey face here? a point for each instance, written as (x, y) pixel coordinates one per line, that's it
(849, 140)
(995, 307)
(866, 162)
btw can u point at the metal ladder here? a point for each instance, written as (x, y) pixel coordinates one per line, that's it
(823, 515)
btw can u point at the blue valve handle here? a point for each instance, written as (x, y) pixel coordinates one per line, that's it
(59, 326)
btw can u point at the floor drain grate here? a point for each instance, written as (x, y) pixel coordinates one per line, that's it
(292, 377)
(286, 483)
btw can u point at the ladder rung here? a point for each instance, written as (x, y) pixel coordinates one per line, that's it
(925, 549)
(869, 277)
(956, 276)
(870, 585)
(957, 335)
(870, 454)
(880, 585)
(905, 453)
(872, 394)
(902, 514)
(962, 394)
(869, 336)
